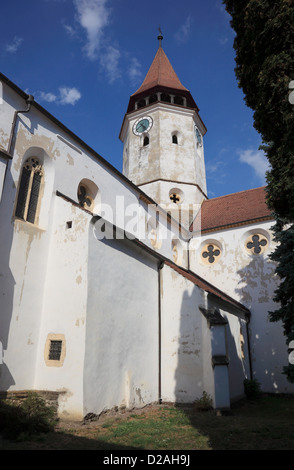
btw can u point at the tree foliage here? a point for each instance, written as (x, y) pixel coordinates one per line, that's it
(264, 46)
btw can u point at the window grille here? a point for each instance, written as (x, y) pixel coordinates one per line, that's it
(55, 350)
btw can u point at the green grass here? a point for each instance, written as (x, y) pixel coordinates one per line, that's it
(266, 423)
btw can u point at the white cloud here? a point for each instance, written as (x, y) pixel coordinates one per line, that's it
(69, 95)
(257, 160)
(110, 62)
(49, 97)
(182, 34)
(66, 95)
(134, 71)
(14, 45)
(93, 16)
(70, 30)
(216, 170)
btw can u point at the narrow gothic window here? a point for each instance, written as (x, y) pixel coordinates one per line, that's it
(146, 140)
(29, 190)
(175, 139)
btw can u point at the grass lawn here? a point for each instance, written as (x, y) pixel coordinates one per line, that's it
(263, 424)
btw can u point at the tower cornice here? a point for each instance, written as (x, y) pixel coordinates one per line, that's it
(174, 108)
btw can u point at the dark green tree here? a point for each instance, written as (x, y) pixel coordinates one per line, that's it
(264, 47)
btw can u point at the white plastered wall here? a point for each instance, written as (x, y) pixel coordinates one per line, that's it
(121, 356)
(251, 280)
(65, 308)
(186, 341)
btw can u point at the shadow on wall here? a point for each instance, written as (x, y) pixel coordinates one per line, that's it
(189, 350)
(255, 289)
(195, 370)
(7, 281)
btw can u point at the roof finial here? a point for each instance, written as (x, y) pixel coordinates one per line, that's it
(160, 37)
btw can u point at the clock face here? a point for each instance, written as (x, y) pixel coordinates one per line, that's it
(198, 136)
(142, 125)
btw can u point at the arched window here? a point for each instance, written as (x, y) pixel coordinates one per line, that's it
(146, 140)
(175, 139)
(88, 195)
(29, 190)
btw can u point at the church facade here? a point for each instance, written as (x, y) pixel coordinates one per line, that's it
(123, 289)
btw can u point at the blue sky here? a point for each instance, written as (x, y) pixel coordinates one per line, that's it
(82, 59)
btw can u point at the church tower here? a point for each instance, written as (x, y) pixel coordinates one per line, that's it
(162, 134)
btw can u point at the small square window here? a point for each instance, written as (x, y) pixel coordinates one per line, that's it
(69, 224)
(55, 350)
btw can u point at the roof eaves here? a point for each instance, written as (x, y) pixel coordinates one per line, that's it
(218, 228)
(206, 286)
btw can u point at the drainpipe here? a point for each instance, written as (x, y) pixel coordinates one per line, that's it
(160, 266)
(29, 101)
(249, 348)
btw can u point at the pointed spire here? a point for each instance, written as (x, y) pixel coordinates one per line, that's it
(162, 79)
(161, 73)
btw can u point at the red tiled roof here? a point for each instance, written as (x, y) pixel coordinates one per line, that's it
(233, 209)
(161, 73)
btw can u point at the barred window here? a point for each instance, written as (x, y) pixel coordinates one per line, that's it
(55, 350)
(29, 190)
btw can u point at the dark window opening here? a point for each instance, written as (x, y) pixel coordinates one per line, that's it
(175, 198)
(32, 209)
(141, 104)
(179, 100)
(153, 99)
(211, 253)
(69, 224)
(256, 244)
(166, 98)
(146, 140)
(55, 350)
(175, 139)
(23, 193)
(29, 190)
(84, 199)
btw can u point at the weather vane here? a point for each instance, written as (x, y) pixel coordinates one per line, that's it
(160, 37)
